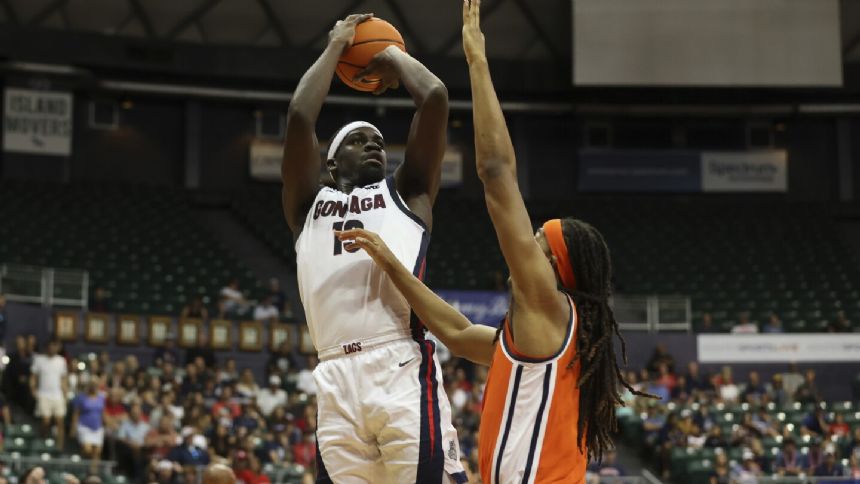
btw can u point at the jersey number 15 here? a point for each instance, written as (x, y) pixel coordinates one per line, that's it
(348, 225)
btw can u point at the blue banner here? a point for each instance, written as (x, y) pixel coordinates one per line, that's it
(640, 171)
(484, 307)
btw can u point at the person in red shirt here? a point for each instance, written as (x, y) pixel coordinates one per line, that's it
(839, 427)
(225, 400)
(247, 468)
(115, 411)
(305, 452)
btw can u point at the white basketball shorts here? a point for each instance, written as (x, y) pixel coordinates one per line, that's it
(384, 416)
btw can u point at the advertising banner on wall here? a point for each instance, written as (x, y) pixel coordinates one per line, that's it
(639, 171)
(746, 171)
(484, 307)
(38, 122)
(778, 348)
(265, 160)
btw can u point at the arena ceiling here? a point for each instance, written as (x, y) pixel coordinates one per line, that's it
(517, 29)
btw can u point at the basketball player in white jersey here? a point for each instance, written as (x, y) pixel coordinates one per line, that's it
(383, 413)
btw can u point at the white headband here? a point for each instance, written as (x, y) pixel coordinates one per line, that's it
(338, 138)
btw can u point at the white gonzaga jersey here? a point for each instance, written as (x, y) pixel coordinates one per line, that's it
(347, 298)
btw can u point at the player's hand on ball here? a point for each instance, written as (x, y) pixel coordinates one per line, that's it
(344, 30)
(370, 242)
(382, 67)
(473, 38)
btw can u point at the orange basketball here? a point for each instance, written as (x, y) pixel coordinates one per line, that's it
(371, 37)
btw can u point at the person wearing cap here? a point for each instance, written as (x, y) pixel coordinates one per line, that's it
(191, 451)
(272, 396)
(360, 326)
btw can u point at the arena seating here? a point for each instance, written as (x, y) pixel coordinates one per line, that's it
(142, 244)
(728, 256)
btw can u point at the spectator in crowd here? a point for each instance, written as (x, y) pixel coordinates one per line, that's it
(266, 311)
(774, 324)
(754, 393)
(247, 385)
(716, 438)
(839, 428)
(306, 381)
(790, 462)
(744, 326)
(247, 468)
(840, 324)
(3, 320)
(218, 474)
(726, 388)
(792, 379)
(707, 325)
(748, 471)
(807, 392)
(280, 360)
(271, 397)
(694, 380)
(191, 382)
(132, 438)
(279, 297)
(189, 452)
(660, 356)
(33, 475)
(88, 423)
(202, 350)
(778, 395)
(228, 374)
(16, 377)
(721, 473)
(161, 438)
(100, 302)
(195, 309)
(830, 467)
(115, 412)
(166, 353)
(233, 299)
(814, 423)
(305, 452)
(653, 425)
(225, 406)
(50, 385)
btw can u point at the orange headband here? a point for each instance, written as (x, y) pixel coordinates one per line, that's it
(555, 237)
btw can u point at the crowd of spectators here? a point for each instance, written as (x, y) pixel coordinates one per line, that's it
(687, 415)
(839, 323)
(166, 418)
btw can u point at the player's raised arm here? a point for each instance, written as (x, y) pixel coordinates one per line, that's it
(531, 273)
(418, 177)
(471, 341)
(301, 164)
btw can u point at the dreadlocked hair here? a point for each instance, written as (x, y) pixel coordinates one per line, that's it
(601, 381)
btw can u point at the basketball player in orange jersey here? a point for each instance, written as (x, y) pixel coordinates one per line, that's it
(554, 383)
(383, 416)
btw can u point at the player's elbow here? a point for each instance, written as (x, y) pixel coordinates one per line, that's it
(492, 167)
(437, 93)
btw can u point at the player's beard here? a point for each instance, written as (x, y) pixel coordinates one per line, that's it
(370, 173)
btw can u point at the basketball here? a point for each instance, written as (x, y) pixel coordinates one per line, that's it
(371, 37)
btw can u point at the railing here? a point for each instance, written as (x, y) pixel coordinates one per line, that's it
(44, 285)
(18, 463)
(652, 313)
